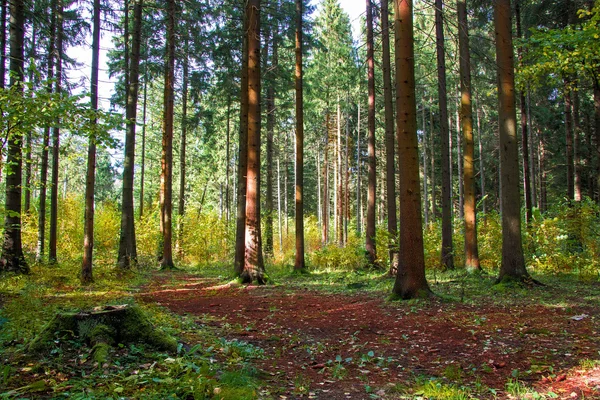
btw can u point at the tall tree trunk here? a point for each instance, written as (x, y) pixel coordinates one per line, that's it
(524, 126)
(240, 238)
(228, 165)
(390, 171)
(481, 165)
(577, 195)
(339, 203)
(254, 269)
(358, 177)
(459, 162)
(127, 255)
(166, 178)
(299, 263)
(425, 174)
(53, 240)
(513, 261)
(27, 188)
(532, 155)
(88, 230)
(143, 160)
(279, 206)
(183, 154)
(41, 242)
(325, 208)
(447, 259)
(410, 279)
(270, 103)
(370, 232)
(466, 119)
(569, 141)
(12, 250)
(596, 81)
(434, 209)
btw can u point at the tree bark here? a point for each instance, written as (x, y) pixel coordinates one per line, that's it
(52, 245)
(41, 242)
(127, 256)
(183, 153)
(569, 141)
(88, 230)
(425, 173)
(325, 207)
(270, 103)
(524, 127)
(466, 119)
(3, 13)
(12, 258)
(358, 177)
(410, 279)
(240, 241)
(299, 262)
(513, 261)
(143, 158)
(390, 159)
(254, 269)
(372, 177)
(166, 206)
(447, 258)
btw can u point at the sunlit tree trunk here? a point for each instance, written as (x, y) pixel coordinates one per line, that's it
(53, 240)
(88, 230)
(299, 263)
(466, 119)
(41, 242)
(254, 269)
(240, 235)
(390, 175)
(447, 258)
(127, 256)
(577, 195)
(166, 206)
(425, 165)
(270, 103)
(513, 261)
(372, 177)
(569, 140)
(358, 177)
(410, 279)
(183, 154)
(143, 158)
(325, 198)
(12, 258)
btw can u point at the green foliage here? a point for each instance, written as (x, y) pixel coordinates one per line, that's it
(332, 257)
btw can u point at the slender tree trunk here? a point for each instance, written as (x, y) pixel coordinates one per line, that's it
(569, 141)
(576, 151)
(338, 177)
(532, 155)
(270, 103)
(299, 263)
(41, 242)
(325, 208)
(143, 160)
(358, 177)
(434, 209)
(240, 238)
(524, 126)
(127, 256)
(228, 164)
(466, 118)
(390, 159)
(183, 155)
(460, 166)
(53, 240)
(425, 174)
(254, 264)
(596, 81)
(166, 180)
(481, 165)
(410, 279)
(513, 261)
(279, 206)
(88, 230)
(370, 232)
(12, 251)
(27, 188)
(347, 178)
(447, 258)
(318, 173)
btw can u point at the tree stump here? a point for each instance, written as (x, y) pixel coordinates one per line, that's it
(103, 327)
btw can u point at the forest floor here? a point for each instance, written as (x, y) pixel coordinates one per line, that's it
(324, 343)
(326, 335)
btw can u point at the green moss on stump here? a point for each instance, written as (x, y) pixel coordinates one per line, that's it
(103, 327)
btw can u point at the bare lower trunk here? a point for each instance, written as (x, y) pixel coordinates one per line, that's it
(299, 263)
(372, 177)
(88, 230)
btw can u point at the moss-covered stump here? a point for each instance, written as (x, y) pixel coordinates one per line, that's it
(102, 327)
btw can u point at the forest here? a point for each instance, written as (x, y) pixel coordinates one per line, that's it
(276, 199)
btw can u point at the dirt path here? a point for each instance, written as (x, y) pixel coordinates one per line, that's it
(331, 346)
